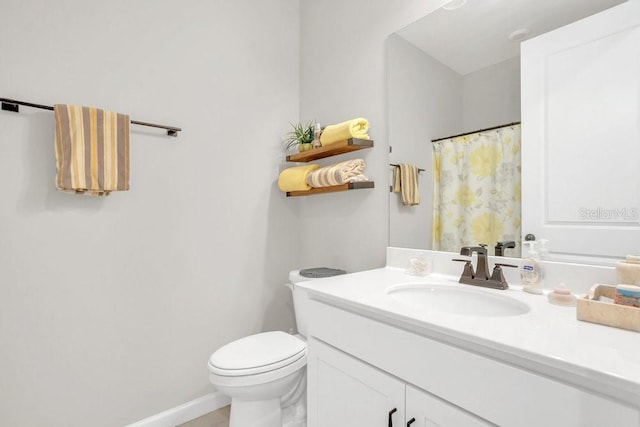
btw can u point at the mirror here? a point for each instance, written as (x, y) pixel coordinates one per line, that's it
(454, 72)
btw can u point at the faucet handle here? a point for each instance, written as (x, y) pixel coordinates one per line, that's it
(468, 268)
(497, 275)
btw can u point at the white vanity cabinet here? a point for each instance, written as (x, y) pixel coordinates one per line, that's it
(345, 391)
(363, 364)
(426, 410)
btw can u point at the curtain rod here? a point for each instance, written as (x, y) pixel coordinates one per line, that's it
(12, 105)
(393, 164)
(476, 131)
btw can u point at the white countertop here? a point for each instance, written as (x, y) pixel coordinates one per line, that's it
(548, 339)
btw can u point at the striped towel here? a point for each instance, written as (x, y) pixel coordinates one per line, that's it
(341, 173)
(405, 181)
(92, 150)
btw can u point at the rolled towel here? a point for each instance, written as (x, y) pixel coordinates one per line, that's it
(355, 128)
(295, 178)
(338, 174)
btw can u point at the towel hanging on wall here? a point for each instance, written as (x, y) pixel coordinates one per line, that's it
(92, 150)
(405, 181)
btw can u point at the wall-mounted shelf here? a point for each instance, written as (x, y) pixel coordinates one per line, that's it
(341, 147)
(334, 189)
(346, 146)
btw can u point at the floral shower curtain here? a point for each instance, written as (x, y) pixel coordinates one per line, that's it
(477, 190)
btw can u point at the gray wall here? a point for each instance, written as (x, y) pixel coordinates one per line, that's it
(428, 100)
(425, 102)
(343, 75)
(109, 308)
(492, 95)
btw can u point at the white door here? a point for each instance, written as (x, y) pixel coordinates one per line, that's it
(344, 391)
(581, 136)
(426, 410)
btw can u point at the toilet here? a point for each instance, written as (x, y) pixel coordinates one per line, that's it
(265, 374)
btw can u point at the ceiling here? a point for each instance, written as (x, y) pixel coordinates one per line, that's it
(475, 36)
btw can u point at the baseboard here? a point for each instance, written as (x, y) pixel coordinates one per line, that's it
(186, 412)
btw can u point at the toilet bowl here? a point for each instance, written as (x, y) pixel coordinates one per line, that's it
(262, 374)
(265, 374)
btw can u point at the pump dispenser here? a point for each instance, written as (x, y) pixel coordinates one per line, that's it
(531, 270)
(543, 251)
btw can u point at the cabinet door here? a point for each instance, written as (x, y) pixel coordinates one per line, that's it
(581, 136)
(345, 392)
(429, 411)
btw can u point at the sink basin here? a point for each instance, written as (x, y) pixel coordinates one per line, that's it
(453, 299)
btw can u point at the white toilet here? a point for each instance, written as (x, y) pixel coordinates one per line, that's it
(265, 374)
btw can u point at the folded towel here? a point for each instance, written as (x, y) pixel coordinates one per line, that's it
(338, 174)
(356, 128)
(405, 181)
(92, 150)
(295, 178)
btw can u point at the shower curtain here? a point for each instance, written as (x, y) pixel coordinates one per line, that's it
(476, 195)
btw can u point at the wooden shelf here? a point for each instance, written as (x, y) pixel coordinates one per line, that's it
(346, 146)
(344, 187)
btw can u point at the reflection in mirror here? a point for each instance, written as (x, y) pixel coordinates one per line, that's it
(456, 72)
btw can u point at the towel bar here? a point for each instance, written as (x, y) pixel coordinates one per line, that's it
(395, 165)
(13, 106)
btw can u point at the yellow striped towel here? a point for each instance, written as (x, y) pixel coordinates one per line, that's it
(355, 128)
(405, 181)
(92, 150)
(338, 174)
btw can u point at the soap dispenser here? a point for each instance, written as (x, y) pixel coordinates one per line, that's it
(543, 251)
(531, 270)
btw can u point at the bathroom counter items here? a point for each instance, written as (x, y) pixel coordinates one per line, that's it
(546, 339)
(593, 309)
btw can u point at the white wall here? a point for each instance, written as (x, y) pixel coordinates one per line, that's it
(109, 308)
(424, 102)
(343, 75)
(492, 96)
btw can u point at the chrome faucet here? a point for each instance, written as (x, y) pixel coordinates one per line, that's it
(480, 276)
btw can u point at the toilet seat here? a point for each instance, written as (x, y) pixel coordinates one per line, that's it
(258, 358)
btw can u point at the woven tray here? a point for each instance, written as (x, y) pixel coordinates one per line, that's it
(607, 313)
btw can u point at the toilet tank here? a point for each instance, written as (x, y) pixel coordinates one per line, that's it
(300, 296)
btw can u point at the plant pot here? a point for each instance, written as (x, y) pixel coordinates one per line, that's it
(304, 147)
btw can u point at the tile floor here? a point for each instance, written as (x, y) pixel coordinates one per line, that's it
(219, 418)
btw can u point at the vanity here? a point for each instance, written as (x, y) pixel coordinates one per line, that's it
(389, 348)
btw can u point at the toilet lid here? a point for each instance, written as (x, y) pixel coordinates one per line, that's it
(257, 354)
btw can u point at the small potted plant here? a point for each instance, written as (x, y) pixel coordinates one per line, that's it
(301, 135)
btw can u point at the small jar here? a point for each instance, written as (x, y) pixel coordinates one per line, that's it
(317, 131)
(628, 295)
(628, 270)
